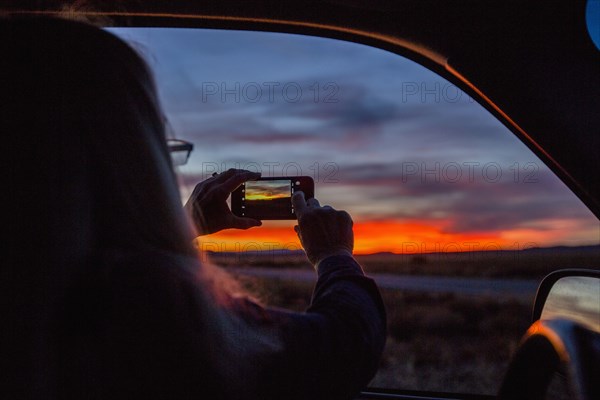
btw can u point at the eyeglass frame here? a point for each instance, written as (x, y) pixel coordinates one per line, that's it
(180, 145)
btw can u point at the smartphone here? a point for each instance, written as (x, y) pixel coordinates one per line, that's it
(270, 198)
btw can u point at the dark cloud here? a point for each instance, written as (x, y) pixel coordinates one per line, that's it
(354, 106)
(273, 137)
(270, 187)
(473, 205)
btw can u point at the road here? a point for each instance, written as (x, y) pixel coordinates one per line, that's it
(503, 289)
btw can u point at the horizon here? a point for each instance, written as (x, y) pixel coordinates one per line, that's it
(210, 246)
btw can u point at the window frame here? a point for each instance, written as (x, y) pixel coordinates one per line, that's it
(434, 62)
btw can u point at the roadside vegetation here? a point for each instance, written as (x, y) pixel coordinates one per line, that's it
(436, 342)
(439, 342)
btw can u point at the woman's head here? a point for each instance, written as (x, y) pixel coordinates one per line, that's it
(90, 178)
(88, 158)
(87, 173)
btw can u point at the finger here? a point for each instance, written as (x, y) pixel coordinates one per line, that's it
(237, 179)
(299, 203)
(345, 217)
(313, 203)
(223, 177)
(245, 223)
(297, 230)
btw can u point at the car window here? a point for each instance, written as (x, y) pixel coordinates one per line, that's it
(454, 217)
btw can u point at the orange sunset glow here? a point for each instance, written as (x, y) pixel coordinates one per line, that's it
(265, 196)
(401, 237)
(267, 190)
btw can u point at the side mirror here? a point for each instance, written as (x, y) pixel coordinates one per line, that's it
(564, 337)
(572, 295)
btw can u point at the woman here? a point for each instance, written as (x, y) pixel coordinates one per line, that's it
(104, 295)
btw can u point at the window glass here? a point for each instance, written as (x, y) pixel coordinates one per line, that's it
(454, 217)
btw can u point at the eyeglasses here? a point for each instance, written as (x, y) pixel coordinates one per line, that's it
(180, 151)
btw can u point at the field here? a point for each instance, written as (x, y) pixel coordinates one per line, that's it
(441, 342)
(531, 264)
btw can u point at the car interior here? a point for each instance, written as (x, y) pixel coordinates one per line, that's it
(463, 138)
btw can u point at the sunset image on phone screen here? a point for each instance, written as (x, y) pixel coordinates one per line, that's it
(268, 198)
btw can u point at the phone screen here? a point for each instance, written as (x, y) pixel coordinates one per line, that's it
(269, 198)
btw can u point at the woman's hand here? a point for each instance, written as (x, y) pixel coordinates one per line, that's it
(207, 205)
(323, 231)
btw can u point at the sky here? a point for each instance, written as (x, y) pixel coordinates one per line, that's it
(419, 165)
